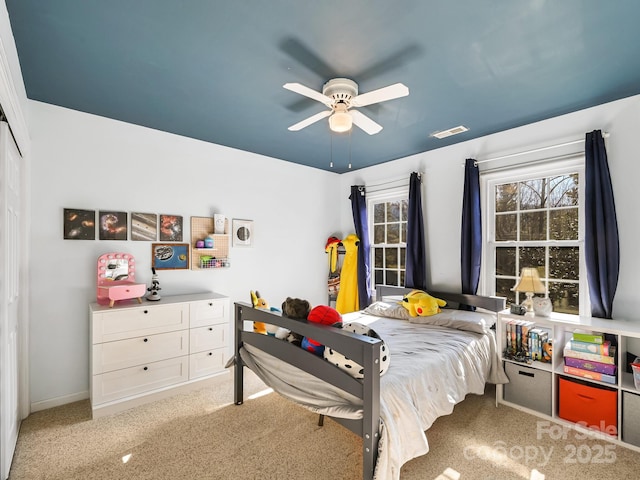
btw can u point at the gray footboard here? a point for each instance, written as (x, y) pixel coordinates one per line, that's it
(361, 349)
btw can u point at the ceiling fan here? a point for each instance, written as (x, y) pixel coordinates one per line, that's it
(341, 96)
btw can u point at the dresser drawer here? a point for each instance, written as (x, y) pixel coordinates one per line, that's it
(141, 379)
(206, 363)
(207, 338)
(117, 324)
(208, 312)
(136, 351)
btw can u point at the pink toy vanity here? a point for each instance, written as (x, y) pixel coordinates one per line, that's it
(116, 280)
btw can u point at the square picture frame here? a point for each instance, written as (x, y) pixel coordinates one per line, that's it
(242, 233)
(112, 225)
(170, 256)
(170, 228)
(79, 224)
(144, 226)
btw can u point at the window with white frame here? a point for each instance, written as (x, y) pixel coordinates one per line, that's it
(535, 219)
(387, 214)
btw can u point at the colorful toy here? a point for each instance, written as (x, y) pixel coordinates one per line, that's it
(547, 352)
(351, 367)
(258, 302)
(324, 315)
(421, 304)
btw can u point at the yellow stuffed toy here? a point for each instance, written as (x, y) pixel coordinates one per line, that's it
(259, 302)
(421, 304)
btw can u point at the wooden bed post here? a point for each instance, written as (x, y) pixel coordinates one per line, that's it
(238, 373)
(371, 415)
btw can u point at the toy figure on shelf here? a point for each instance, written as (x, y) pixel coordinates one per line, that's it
(154, 288)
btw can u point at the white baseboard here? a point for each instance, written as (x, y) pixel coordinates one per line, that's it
(56, 402)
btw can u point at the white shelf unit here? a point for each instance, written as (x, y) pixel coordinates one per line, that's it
(533, 384)
(145, 352)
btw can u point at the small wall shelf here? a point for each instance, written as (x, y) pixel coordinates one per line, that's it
(209, 258)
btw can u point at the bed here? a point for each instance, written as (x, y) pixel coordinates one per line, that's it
(434, 363)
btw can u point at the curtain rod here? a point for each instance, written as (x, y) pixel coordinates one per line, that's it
(535, 150)
(394, 180)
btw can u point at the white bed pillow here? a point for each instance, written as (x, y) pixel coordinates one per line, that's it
(388, 310)
(478, 322)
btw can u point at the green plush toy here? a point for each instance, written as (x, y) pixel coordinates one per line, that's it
(421, 304)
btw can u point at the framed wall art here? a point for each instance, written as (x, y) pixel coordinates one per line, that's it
(242, 233)
(112, 225)
(79, 224)
(144, 226)
(170, 256)
(170, 228)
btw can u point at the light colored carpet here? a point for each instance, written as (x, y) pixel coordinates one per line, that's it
(202, 435)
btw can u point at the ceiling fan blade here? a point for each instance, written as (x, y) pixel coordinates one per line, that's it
(310, 120)
(308, 92)
(396, 90)
(364, 122)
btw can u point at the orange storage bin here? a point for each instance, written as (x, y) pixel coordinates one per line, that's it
(593, 406)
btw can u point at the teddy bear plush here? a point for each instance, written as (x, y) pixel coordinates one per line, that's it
(297, 309)
(421, 304)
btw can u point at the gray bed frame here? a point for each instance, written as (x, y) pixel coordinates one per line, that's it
(361, 349)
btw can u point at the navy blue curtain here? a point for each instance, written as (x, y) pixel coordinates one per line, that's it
(471, 248)
(416, 266)
(359, 210)
(602, 250)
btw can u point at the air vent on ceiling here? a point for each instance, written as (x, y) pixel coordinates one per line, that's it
(451, 131)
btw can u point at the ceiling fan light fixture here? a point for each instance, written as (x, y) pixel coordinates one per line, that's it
(340, 122)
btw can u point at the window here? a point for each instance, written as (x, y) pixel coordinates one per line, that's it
(534, 219)
(388, 231)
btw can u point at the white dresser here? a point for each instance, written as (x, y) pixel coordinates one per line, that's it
(144, 352)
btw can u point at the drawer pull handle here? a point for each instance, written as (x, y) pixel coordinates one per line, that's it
(146, 340)
(210, 353)
(210, 329)
(526, 374)
(211, 304)
(146, 368)
(146, 311)
(586, 397)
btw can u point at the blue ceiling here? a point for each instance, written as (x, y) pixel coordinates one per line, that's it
(214, 70)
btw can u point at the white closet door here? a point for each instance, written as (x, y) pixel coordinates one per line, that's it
(9, 296)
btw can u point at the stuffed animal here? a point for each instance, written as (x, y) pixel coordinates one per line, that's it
(263, 328)
(324, 315)
(296, 309)
(348, 365)
(258, 302)
(421, 304)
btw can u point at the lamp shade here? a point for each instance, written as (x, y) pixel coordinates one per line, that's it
(340, 122)
(529, 281)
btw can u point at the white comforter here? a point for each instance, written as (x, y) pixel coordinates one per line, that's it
(432, 369)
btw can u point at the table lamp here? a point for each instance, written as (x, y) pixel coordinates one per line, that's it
(529, 284)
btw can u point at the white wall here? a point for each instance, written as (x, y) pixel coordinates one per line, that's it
(444, 176)
(83, 161)
(88, 162)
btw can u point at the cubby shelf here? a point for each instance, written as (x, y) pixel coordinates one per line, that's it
(541, 388)
(209, 258)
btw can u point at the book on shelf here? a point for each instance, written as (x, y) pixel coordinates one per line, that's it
(593, 357)
(588, 336)
(524, 341)
(578, 372)
(591, 366)
(604, 348)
